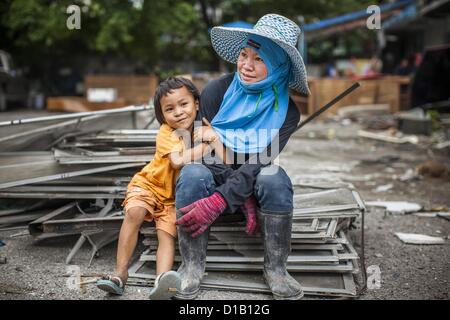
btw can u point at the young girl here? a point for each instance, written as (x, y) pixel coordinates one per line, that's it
(150, 194)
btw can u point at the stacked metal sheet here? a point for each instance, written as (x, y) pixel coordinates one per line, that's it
(76, 169)
(322, 258)
(77, 185)
(97, 223)
(113, 146)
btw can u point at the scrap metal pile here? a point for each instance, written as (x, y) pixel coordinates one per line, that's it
(322, 259)
(76, 187)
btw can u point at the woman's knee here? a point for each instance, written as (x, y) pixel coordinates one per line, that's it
(194, 182)
(273, 189)
(274, 177)
(194, 172)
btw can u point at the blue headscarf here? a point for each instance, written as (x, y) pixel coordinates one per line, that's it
(251, 114)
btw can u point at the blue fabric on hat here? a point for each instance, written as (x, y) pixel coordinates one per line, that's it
(251, 114)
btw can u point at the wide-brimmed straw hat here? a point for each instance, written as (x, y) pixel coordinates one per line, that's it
(228, 43)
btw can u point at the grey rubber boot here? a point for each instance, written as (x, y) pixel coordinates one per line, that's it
(276, 231)
(193, 257)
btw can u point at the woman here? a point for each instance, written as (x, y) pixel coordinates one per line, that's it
(252, 114)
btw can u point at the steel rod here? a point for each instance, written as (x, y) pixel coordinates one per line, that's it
(76, 115)
(329, 104)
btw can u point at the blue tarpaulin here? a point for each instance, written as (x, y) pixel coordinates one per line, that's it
(408, 13)
(408, 8)
(326, 23)
(236, 24)
(353, 16)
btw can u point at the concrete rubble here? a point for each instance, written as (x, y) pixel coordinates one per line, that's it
(412, 238)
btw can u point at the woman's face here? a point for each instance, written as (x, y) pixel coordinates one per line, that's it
(250, 66)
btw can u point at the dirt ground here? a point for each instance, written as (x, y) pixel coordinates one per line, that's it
(328, 151)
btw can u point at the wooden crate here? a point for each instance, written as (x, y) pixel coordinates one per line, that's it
(80, 104)
(391, 90)
(133, 89)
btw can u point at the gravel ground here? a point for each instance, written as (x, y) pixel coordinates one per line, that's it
(37, 271)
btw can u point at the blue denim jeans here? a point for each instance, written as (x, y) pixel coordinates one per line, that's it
(272, 190)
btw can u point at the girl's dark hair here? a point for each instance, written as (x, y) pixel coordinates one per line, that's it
(166, 87)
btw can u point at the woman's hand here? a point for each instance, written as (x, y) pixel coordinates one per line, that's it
(249, 208)
(198, 216)
(205, 133)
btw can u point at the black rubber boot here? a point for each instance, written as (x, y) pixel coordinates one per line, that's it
(276, 231)
(193, 257)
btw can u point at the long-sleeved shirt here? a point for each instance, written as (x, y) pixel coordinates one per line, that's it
(235, 182)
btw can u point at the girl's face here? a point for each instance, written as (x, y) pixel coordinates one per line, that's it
(179, 109)
(250, 66)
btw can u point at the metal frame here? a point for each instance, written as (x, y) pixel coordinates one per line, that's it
(219, 281)
(97, 240)
(78, 115)
(59, 189)
(36, 205)
(69, 174)
(57, 195)
(325, 211)
(216, 247)
(234, 257)
(99, 229)
(35, 227)
(342, 267)
(20, 218)
(87, 225)
(296, 227)
(47, 128)
(69, 157)
(324, 256)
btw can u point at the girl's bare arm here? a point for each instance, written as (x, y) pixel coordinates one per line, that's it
(179, 159)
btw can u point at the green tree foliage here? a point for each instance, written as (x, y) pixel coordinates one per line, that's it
(145, 30)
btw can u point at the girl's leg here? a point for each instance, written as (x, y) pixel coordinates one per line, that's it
(128, 238)
(165, 253)
(167, 282)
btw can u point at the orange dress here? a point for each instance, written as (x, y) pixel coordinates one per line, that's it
(153, 188)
